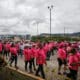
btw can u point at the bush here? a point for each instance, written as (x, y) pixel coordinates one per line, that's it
(55, 38)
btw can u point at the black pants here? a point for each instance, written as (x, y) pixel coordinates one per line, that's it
(40, 69)
(30, 65)
(21, 52)
(52, 50)
(1, 53)
(48, 55)
(60, 62)
(12, 59)
(6, 53)
(33, 63)
(72, 74)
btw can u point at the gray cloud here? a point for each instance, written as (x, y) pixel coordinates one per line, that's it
(20, 16)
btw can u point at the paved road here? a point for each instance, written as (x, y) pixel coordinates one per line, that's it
(50, 69)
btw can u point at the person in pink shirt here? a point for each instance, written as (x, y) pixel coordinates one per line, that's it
(45, 47)
(27, 56)
(68, 50)
(41, 60)
(33, 50)
(0, 47)
(73, 64)
(48, 48)
(7, 49)
(17, 45)
(14, 54)
(62, 56)
(52, 48)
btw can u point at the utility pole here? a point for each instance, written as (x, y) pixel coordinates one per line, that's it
(64, 31)
(50, 9)
(37, 28)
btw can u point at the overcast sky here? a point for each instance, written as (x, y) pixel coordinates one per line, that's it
(21, 16)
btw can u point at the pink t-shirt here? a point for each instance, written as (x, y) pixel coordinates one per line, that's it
(0, 47)
(17, 46)
(41, 57)
(50, 46)
(74, 59)
(45, 48)
(33, 50)
(36, 52)
(7, 46)
(62, 54)
(13, 50)
(27, 54)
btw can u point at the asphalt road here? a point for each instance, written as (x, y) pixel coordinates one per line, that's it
(50, 69)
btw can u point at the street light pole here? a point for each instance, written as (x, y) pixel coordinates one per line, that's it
(37, 28)
(50, 22)
(64, 30)
(50, 8)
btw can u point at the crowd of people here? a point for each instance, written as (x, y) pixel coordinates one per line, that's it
(38, 53)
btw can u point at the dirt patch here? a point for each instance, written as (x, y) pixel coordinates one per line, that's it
(7, 74)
